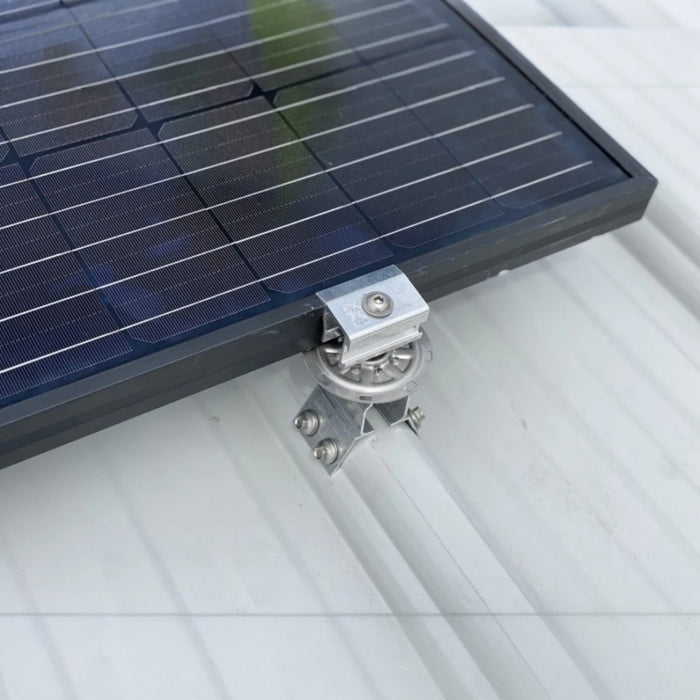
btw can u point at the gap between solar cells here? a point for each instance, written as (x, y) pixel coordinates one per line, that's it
(311, 217)
(257, 76)
(296, 267)
(293, 142)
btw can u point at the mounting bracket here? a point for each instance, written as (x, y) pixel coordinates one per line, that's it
(374, 353)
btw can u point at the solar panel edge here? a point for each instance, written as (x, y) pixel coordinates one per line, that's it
(76, 410)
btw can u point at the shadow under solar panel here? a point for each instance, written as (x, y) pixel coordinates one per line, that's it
(179, 177)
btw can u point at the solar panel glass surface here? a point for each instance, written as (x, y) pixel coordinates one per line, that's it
(171, 167)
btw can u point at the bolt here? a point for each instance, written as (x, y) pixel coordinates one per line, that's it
(378, 304)
(327, 451)
(307, 423)
(416, 416)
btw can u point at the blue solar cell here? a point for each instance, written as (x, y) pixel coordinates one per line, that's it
(171, 168)
(34, 322)
(41, 107)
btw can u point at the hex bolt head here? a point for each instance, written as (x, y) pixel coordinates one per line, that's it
(307, 423)
(327, 451)
(416, 416)
(378, 304)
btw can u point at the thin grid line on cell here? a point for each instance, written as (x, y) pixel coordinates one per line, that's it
(257, 76)
(300, 140)
(300, 266)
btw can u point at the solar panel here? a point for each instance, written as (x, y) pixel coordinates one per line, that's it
(178, 177)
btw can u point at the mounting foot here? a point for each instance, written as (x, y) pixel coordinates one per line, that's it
(374, 353)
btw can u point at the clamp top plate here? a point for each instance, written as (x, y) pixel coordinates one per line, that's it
(373, 314)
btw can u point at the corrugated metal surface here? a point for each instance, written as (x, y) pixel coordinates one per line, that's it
(540, 540)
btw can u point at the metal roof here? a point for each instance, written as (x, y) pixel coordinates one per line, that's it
(541, 538)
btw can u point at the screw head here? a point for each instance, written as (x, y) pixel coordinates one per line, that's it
(327, 451)
(378, 304)
(307, 423)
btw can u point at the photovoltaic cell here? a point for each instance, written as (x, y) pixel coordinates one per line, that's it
(31, 328)
(170, 167)
(40, 107)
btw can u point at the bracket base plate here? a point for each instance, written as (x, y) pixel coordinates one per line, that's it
(340, 424)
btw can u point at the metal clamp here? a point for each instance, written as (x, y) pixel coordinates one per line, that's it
(372, 314)
(374, 353)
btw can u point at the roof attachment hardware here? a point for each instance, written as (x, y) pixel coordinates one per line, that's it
(374, 353)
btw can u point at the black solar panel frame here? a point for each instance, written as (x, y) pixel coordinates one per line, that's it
(75, 410)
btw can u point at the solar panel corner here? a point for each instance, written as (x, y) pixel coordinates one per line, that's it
(64, 413)
(637, 172)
